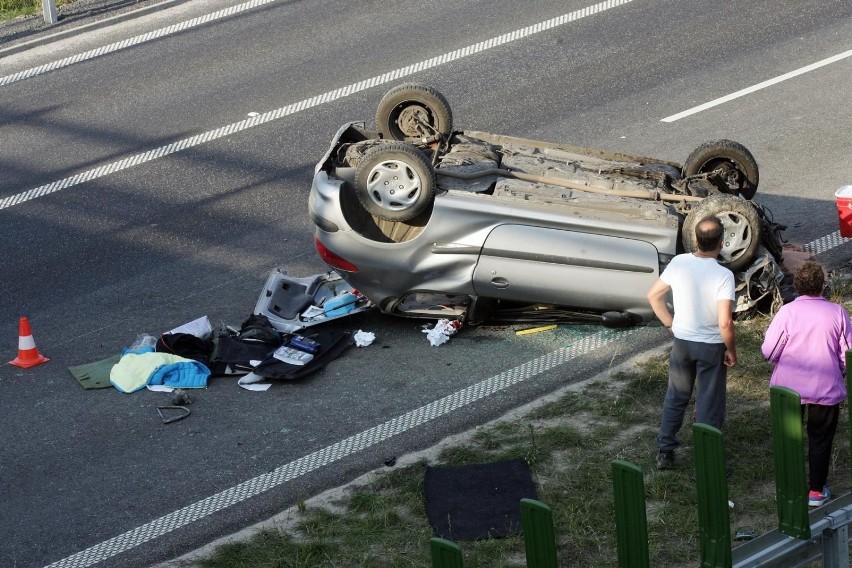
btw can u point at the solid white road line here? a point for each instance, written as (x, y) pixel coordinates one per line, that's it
(759, 86)
(324, 98)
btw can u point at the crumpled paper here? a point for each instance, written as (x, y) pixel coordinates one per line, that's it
(364, 338)
(442, 331)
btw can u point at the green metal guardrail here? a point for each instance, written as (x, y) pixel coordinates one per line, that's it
(631, 522)
(446, 554)
(539, 536)
(714, 526)
(791, 486)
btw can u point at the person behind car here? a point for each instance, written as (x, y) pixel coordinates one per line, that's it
(807, 342)
(704, 337)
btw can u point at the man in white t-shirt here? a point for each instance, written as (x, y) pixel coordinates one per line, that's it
(704, 339)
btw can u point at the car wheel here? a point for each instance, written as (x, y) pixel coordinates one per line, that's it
(731, 160)
(395, 181)
(411, 112)
(742, 229)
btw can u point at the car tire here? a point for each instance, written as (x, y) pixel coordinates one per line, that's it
(412, 112)
(732, 160)
(742, 229)
(395, 181)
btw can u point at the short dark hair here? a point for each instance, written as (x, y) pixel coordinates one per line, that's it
(809, 279)
(708, 233)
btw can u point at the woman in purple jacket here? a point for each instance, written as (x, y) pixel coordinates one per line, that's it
(807, 342)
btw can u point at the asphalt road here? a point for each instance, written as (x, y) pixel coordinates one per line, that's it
(130, 204)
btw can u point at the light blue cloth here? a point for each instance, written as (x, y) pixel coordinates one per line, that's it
(185, 374)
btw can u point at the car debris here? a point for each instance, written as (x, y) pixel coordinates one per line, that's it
(170, 416)
(539, 329)
(180, 398)
(292, 304)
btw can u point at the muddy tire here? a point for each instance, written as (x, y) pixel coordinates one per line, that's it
(395, 182)
(742, 229)
(412, 112)
(731, 160)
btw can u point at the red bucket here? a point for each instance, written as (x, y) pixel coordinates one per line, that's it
(843, 197)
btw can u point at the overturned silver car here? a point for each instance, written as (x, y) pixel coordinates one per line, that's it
(426, 221)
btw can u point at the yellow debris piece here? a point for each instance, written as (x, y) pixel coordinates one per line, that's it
(535, 329)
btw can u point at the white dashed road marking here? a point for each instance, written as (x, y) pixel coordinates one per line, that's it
(340, 450)
(328, 97)
(825, 243)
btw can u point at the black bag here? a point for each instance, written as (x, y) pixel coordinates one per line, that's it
(186, 345)
(258, 329)
(233, 356)
(331, 345)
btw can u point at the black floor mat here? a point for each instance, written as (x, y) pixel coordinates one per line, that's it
(472, 502)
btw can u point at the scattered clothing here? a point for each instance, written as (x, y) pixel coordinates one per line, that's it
(95, 375)
(184, 374)
(258, 329)
(186, 345)
(136, 370)
(232, 356)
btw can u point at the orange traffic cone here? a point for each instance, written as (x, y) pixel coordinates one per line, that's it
(28, 355)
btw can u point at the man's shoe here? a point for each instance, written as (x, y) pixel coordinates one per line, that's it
(665, 459)
(816, 499)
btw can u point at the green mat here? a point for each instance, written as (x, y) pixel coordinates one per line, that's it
(95, 375)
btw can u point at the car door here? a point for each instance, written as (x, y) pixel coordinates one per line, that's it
(568, 268)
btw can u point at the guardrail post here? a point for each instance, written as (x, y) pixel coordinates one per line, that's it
(445, 554)
(49, 9)
(714, 525)
(791, 486)
(539, 537)
(631, 521)
(835, 541)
